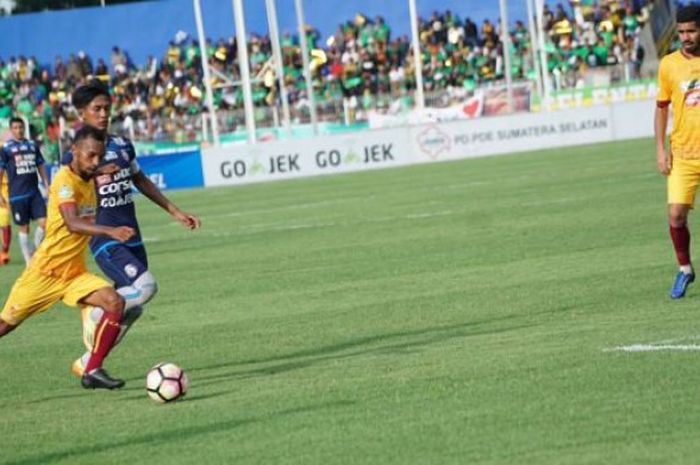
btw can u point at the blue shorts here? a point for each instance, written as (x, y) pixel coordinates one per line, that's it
(28, 207)
(122, 263)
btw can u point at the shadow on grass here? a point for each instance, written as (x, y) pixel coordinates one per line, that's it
(415, 338)
(389, 343)
(188, 398)
(80, 392)
(398, 342)
(166, 436)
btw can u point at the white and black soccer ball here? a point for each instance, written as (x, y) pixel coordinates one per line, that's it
(166, 382)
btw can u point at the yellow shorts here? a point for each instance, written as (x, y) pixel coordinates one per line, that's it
(4, 217)
(683, 181)
(35, 292)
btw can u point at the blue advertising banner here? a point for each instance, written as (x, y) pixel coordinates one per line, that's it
(174, 171)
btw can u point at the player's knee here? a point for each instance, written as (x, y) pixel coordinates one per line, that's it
(113, 303)
(147, 286)
(677, 218)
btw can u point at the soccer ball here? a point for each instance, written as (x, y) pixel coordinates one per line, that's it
(166, 382)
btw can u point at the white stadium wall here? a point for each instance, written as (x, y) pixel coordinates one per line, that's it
(384, 148)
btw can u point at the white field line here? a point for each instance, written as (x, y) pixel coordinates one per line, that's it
(283, 226)
(655, 348)
(684, 344)
(539, 203)
(418, 216)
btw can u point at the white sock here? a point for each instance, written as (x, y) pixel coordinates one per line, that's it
(85, 358)
(26, 246)
(686, 269)
(38, 236)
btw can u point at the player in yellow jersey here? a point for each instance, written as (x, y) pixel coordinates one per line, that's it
(679, 88)
(5, 228)
(57, 270)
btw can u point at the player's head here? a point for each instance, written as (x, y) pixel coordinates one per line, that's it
(93, 104)
(17, 128)
(688, 23)
(88, 150)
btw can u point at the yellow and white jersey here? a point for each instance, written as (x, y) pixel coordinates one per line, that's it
(679, 84)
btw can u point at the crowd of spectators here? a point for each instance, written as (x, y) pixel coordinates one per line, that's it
(361, 64)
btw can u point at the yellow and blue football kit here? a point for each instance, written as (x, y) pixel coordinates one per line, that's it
(57, 270)
(679, 85)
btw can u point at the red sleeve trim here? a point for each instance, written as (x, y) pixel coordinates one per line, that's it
(662, 103)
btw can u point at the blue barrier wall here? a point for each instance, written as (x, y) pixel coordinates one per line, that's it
(168, 172)
(177, 171)
(144, 29)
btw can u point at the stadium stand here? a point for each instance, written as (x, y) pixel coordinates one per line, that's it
(361, 66)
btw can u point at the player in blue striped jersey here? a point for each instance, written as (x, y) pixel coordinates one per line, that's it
(124, 263)
(23, 163)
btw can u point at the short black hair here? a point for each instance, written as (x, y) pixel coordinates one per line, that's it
(688, 14)
(83, 95)
(89, 132)
(16, 119)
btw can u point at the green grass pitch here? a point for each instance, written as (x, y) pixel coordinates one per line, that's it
(450, 313)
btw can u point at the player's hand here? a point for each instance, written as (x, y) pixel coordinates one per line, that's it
(663, 162)
(187, 220)
(122, 233)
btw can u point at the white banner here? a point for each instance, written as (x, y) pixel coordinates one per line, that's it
(509, 134)
(358, 151)
(386, 148)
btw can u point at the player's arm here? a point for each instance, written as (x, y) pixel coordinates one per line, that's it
(663, 101)
(147, 188)
(79, 225)
(3, 200)
(663, 159)
(41, 167)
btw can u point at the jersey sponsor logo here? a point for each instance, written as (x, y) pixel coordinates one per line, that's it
(25, 163)
(691, 84)
(65, 192)
(115, 187)
(691, 89)
(109, 156)
(117, 201)
(103, 179)
(117, 190)
(692, 98)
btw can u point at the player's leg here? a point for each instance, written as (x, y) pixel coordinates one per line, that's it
(5, 235)
(91, 290)
(32, 293)
(21, 214)
(38, 212)
(682, 187)
(5, 327)
(127, 267)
